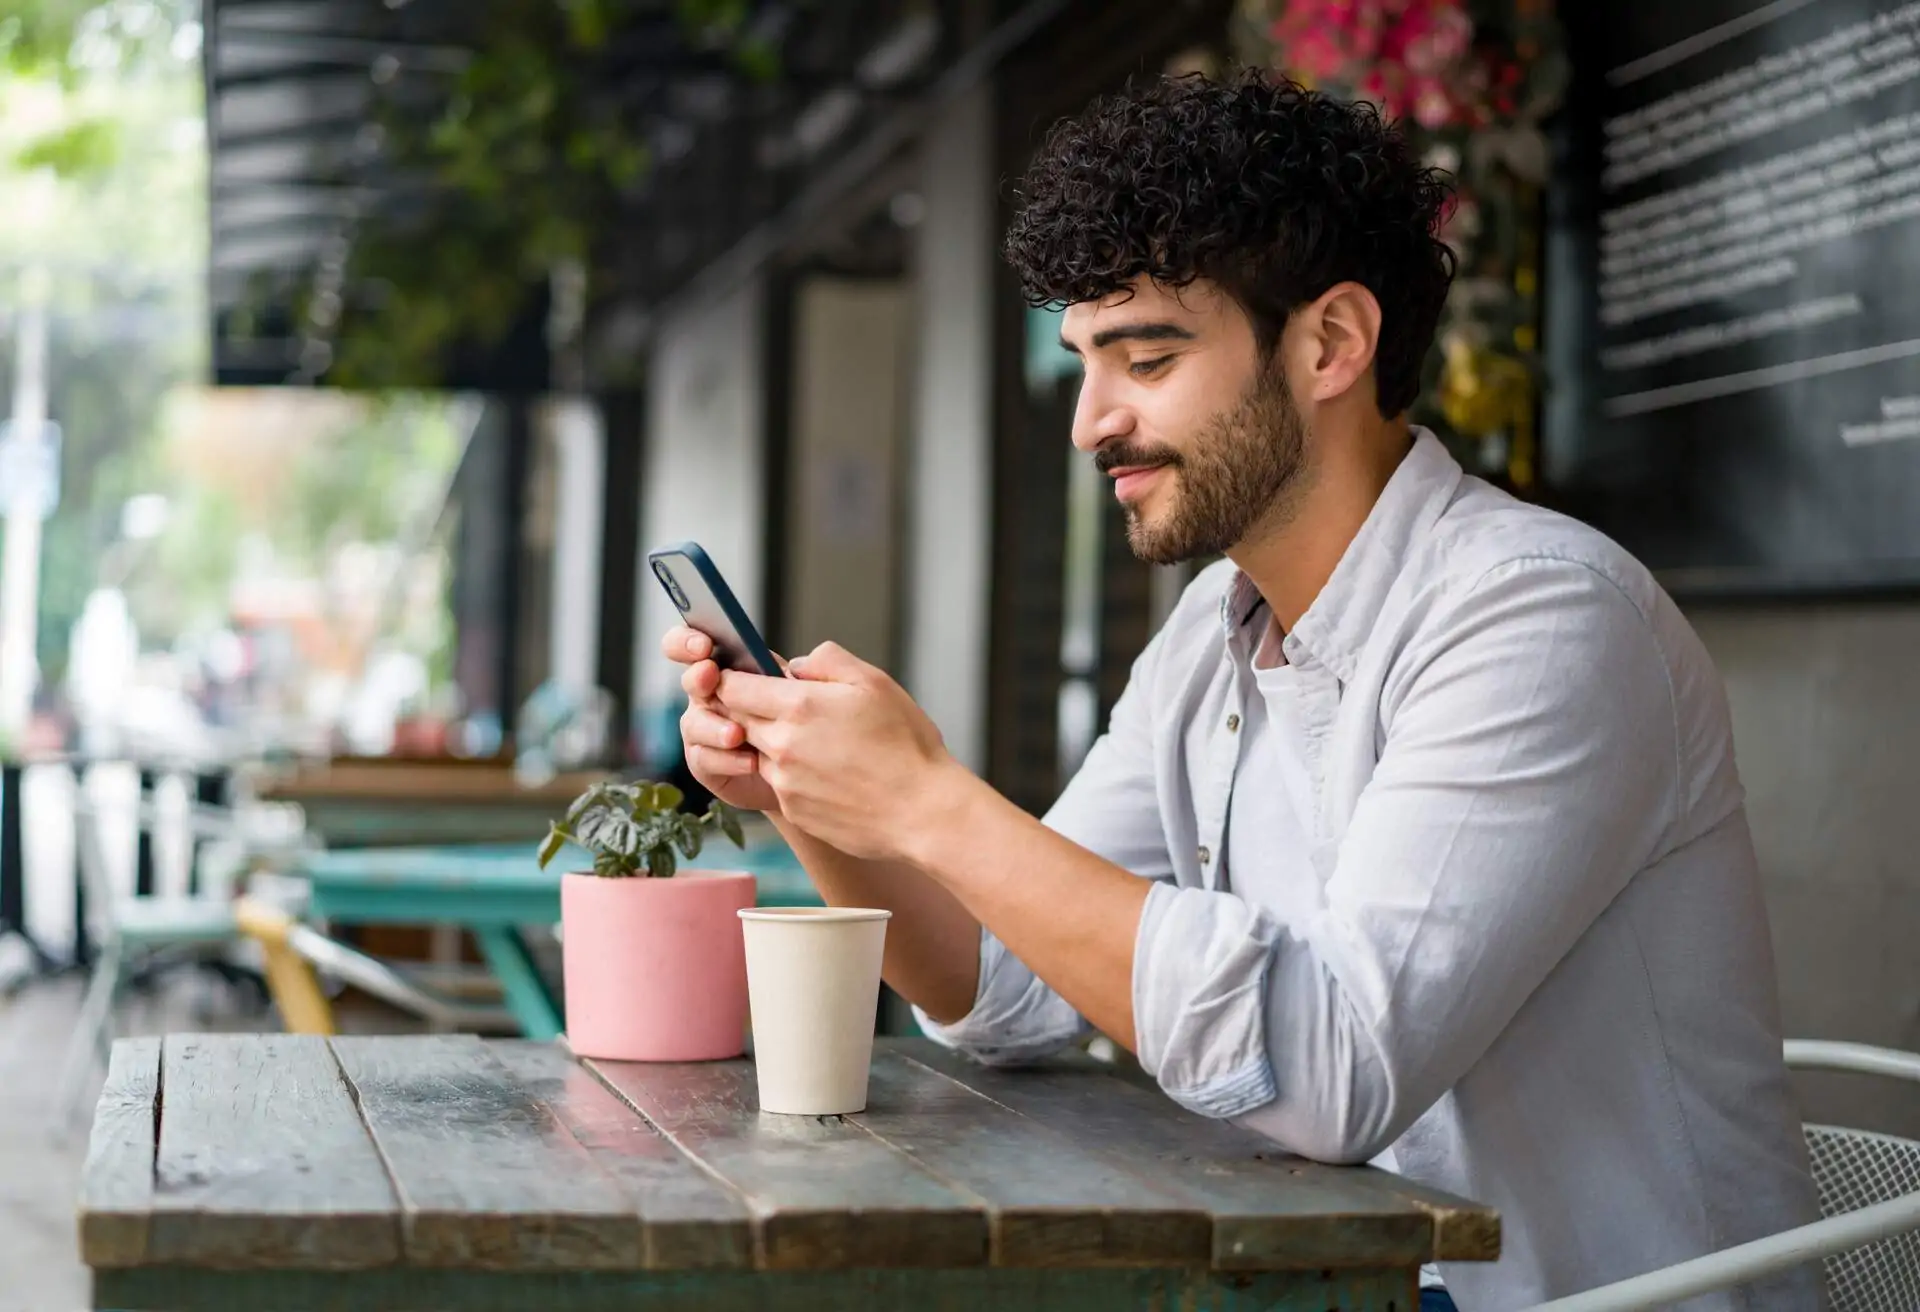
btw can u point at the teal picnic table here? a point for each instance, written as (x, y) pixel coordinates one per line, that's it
(494, 891)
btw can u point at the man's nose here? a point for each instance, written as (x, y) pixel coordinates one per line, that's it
(1099, 417)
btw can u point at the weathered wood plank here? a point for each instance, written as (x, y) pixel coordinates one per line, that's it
(1463, 1231)
(1049, 1203)
(263, 1160)
(997, 1289)
(825, 1194)
(116, 1185)
(1271, 1210)
(486, 1176)
(689, 1220)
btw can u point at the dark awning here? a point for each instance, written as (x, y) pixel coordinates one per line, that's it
(299, 165)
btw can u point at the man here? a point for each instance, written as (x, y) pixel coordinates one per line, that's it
(1416, 836)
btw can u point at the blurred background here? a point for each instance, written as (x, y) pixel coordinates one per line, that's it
(352, 352)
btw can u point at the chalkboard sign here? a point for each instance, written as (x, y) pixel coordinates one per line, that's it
(1733, 290)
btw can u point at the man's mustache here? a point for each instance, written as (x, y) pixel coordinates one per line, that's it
(1109, 458)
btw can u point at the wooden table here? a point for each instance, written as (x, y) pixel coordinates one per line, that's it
(362, 803)
(379, 1174)
(491, 890)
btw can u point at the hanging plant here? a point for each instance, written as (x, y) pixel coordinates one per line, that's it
(523, 173)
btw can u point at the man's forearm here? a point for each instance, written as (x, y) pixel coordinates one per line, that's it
(933, 943)
(1071, 916)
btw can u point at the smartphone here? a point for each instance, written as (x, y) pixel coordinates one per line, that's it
(706, 603)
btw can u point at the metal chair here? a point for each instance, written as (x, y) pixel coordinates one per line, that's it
(1869, 1240)
(295, 952)
(134, 932)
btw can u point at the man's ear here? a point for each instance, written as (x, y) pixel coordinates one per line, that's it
(1338, 333)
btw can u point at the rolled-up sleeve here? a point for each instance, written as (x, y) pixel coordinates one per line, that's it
(1110, 807)
(1529, 769)
(1200, 969)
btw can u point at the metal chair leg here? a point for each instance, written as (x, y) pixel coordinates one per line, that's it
(290, 979)
(93, 1034)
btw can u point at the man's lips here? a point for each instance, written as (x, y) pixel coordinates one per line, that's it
(1132, 481)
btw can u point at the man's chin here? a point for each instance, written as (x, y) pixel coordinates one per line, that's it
(1152, 541)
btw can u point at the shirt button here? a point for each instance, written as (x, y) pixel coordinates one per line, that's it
(1205, 856)
(1233, 724)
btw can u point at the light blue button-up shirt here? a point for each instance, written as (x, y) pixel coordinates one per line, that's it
(1518, 940)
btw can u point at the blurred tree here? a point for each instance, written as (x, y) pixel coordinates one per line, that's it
(103, 164)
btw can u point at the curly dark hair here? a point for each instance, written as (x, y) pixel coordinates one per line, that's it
(1272, 192)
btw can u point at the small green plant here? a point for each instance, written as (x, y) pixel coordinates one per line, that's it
(636, 829)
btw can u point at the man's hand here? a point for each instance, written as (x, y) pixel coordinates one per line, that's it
(716, 747)
(883, 815)
(850, 757)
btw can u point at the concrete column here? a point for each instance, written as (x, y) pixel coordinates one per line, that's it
(705, 474)
(950, 488)
(579, 449)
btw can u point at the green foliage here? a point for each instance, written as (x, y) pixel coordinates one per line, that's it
(638, 828)
(37, 36)
(69, 41)
(80, 149)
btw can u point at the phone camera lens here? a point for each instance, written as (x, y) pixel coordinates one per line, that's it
(678, 597)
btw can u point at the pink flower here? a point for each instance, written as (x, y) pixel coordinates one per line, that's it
(1404, 54)
(1432, 107)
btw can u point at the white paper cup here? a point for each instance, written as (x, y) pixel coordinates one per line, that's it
(813, 984)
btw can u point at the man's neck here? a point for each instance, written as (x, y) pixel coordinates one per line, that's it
(1291, 560)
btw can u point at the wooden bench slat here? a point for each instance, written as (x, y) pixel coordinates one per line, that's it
(825, 1193)
(116, 1185)
(263, 1160)
(1050, 1203)
(689, 1219)
(1271, 1210)
(486, 1176)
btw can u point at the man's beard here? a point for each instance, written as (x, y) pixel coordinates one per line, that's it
(1240, 471)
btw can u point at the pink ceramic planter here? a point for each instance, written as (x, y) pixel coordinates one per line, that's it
(656, 968)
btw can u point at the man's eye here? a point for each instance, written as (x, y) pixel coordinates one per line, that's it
(1143, 368)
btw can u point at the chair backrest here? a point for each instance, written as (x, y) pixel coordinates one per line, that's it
(1855, 1169)
(90, 860)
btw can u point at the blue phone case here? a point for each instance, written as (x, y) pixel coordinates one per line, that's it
(708, 604)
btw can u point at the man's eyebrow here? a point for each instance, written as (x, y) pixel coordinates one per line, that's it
(1135, 332)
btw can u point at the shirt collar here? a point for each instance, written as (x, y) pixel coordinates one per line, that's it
(1338, 622)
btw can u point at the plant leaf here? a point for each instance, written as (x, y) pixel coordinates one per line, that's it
(602, 797)
(557, 838)
(613, 865)
(729, 821)
(667, 798)
(661, 863)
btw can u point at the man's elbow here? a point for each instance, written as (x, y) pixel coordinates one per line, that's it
(1343, 1123)
(1321, 1134)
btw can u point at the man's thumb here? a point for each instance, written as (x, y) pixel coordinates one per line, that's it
(828, 663)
